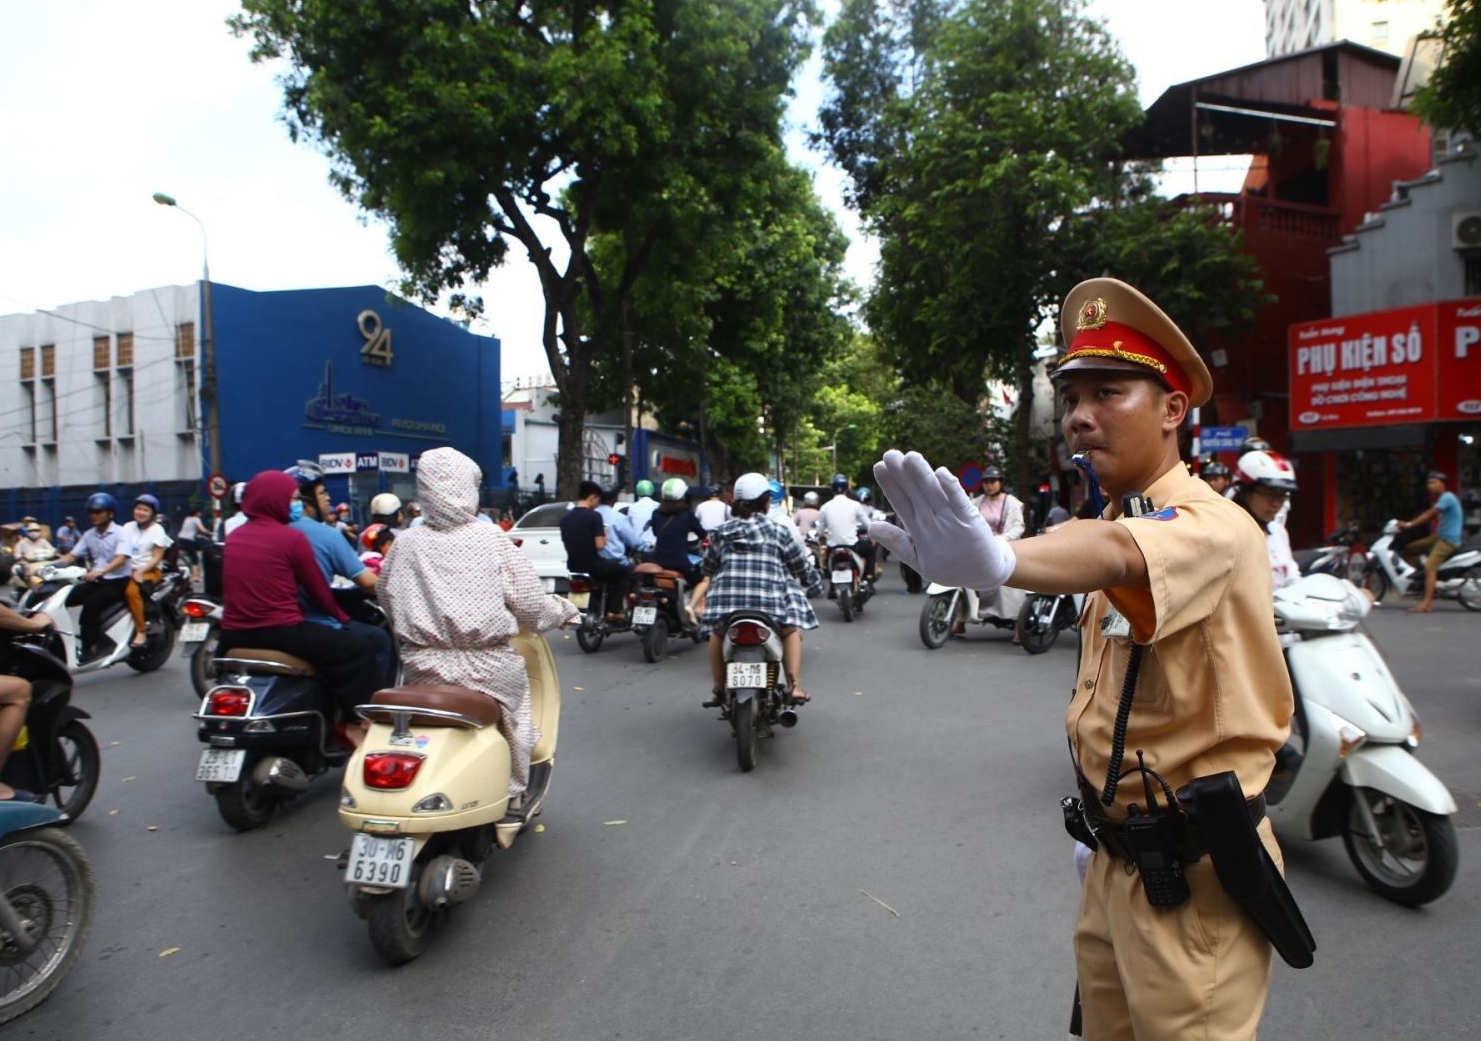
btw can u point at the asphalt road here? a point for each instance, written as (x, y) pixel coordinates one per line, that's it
(894, 868)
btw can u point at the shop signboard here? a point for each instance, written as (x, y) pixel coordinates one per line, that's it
(1460, 359)
(337, 462)
(1365, 370)
(394, 463)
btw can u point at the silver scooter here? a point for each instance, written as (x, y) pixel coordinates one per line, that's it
(1459, 578)
(1349, 768)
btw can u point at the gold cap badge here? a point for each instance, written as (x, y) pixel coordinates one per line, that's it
(1092, 315)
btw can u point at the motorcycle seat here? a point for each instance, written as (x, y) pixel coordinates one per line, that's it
(265, 662)
(661, 575)
(440, 697)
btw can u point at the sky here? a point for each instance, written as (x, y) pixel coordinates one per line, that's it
(108, 103)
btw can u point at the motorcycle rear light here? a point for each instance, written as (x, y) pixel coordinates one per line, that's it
(580, 585)
(517, 542)
(389, 771)
(198, 608)
(749, 633)
(228, 701)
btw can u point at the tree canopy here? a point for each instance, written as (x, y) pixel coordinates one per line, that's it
(1452, 97)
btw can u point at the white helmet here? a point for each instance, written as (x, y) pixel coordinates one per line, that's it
(674, 489)
(810, 499)
(1265, 470)
(237, 491)
(384, 504)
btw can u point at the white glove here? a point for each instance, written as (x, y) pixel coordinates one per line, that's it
(944, 537)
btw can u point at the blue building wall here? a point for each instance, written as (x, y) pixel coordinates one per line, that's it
(293, 384)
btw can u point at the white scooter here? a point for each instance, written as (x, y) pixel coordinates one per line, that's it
(946, 607)
(65, 637)
(1459, 578)
(1349, 767)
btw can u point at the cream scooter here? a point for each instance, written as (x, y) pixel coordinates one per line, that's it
(426, 795)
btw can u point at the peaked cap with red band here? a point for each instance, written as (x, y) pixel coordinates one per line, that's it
(1108, 325)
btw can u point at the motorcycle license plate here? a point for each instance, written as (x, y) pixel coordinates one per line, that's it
(644, 615)
(380, 862)
(745, 675)
(222, 765)
(843, 578)
(194, 632)
(580, 600)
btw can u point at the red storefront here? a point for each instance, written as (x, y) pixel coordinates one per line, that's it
(1387, 396)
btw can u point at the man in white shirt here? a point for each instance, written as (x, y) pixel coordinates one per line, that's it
(641, 511)
(713, 512)
(841, 521)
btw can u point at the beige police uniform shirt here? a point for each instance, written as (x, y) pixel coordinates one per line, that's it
(1213, 692)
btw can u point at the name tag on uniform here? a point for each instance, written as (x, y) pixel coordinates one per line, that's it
(1114, 625)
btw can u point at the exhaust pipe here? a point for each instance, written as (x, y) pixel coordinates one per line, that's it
(280, 774)
(446, 881)
(788, 718)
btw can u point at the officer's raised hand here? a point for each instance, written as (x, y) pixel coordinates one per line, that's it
(944, 537)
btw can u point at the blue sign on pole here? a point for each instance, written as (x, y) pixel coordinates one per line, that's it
(1222, 439)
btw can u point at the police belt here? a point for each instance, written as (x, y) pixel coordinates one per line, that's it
(1111, 833)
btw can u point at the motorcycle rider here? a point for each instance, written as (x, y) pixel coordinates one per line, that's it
(843, 522)
(385, 509)
(67, 535)
(755, 564)
(1216, 474)
(336, 557)
(584, 534)
(458, 591)
(148, 541)
(237, 519)
(641, 511)
(1263, 485)
(714, 511)
(32, 549)
(265, 564)
(671, 527)
(807, 516)
(15, 698)
(108, 555)
(622, 539)
(1443, 543)
(1003, 512)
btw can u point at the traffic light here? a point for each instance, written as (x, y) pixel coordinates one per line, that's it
(613, 459)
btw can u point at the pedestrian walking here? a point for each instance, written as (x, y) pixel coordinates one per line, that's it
(1180, 673)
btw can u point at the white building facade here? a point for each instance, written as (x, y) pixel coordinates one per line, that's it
(102, 392)
(1385, 25)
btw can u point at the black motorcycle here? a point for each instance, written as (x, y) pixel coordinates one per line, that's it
(271, 725)
(57, 756)
(658, 611)
(848, 584)
(1044, 616)
(1340, 556)
(590, 595)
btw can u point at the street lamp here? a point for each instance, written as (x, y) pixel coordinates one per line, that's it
(208, 347)
(834, 445)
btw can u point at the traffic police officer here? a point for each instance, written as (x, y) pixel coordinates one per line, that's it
(1188, 582)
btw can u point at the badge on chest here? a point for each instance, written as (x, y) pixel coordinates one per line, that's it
(1114, 626)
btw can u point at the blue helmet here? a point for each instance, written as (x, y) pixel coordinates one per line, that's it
(102, 501)
(778, 493)
(148, 500)
(840, 483)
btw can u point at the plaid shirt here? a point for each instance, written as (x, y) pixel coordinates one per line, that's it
(757, 565)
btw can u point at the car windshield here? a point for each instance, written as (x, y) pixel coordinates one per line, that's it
(547, 516)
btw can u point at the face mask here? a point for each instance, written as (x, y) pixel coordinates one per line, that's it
(295, 511)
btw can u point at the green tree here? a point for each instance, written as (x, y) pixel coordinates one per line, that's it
(1452, 97)
(471, 125)
(972, 131)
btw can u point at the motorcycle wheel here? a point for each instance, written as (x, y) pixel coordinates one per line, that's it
(243, 807)
(656, 640)
(1469, 593)
(201, 676)
(60, 909)
(77, 752)
(1417, 859)
(154, 653)
(590, 642)
(935, 620)
(399, 923)
(1375, 582)
(747, 740)
(846, 604)
(1035, 632)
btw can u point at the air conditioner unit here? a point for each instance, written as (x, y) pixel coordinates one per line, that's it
(1465, 230)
